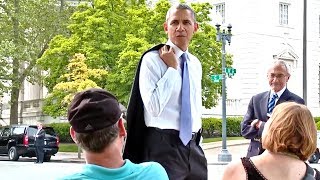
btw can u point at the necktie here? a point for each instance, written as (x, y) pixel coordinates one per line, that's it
(185, 121)
(272, 103)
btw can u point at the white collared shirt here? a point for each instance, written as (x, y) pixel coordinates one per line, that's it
(160, 89)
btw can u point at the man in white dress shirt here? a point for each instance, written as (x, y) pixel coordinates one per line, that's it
(158, 84)
(39, 143)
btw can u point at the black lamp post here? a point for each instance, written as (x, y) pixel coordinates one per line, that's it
(223, 37)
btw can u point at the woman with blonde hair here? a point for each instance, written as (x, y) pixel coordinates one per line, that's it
(290, 138)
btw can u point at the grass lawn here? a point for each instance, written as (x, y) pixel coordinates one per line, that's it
(68, 147)
(72, 147)
(207, 140)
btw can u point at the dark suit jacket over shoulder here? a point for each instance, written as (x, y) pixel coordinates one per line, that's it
(136, 127)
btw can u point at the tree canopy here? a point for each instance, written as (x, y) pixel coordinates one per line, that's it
(26, 28)
(76, 79)
(113, 34)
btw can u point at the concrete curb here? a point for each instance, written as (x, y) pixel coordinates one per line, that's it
(68, 157)
(80, 161)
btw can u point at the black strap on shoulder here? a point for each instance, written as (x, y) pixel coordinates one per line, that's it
(317, 175)
(311, 173)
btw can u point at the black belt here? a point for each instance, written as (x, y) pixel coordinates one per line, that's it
(174, 132)
(194, 136)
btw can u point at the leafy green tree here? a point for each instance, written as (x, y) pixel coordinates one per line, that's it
(26, 27)
(96, 32)
(113, 34)
(76, 79)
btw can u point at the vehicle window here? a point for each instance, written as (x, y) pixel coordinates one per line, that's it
(32, 131)
(50, 131)
(6, 132)
(18, 130)
(1, 130)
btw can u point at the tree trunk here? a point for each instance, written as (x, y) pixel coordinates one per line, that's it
(15, 70)
(14, 105)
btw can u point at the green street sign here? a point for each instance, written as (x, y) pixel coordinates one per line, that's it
(216, 77)
(230, 71)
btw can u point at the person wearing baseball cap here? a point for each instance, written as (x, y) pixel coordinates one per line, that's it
(97, 127)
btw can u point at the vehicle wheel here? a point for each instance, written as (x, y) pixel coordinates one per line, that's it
(47, 158)
(12, 153)
(314, 158)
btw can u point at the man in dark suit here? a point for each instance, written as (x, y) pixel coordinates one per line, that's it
(262, 104)
(39, 143)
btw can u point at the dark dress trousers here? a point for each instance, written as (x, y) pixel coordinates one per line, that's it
(257, 109)
(39, 145)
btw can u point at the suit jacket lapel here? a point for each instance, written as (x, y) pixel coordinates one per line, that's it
(264, 103)
(283, 96)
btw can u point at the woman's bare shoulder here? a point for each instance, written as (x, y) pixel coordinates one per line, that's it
(234, 170)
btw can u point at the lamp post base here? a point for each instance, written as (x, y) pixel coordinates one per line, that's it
(224, 156)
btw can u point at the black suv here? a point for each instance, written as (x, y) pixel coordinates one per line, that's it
(18, 140)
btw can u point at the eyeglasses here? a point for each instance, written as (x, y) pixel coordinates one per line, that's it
(278, 76)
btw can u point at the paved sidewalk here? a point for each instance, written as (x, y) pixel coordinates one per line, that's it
(218, 144)
(211, 150)
(236, 148)
(69, 157)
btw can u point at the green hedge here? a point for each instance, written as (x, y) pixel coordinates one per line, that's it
(212, 127)
(62, 129)
(233, 126)
(318, 125)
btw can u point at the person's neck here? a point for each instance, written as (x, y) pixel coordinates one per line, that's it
(282, 155)
(183, 48)
(111, 157)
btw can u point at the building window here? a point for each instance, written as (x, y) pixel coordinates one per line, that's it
(220, 10)
(26, 105)
(35, 104)
(283, 13)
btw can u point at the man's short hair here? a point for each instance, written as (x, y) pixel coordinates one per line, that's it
(181, 6)
(97, 141)
(93, 114)
(292, 130)
(281, 63)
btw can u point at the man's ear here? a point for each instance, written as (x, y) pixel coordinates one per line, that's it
(288, 77)
(122, 129)
(165, 27)
(196, 27)
(73, 135)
